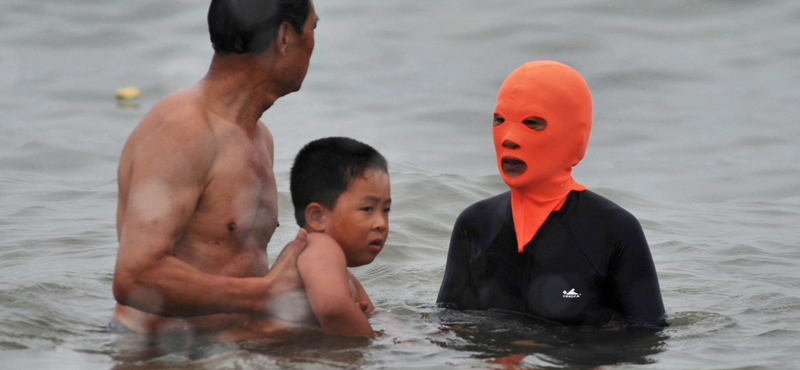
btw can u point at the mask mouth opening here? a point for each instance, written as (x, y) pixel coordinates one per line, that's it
(513, 167)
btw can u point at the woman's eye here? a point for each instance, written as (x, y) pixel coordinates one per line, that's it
(386, 210)
(367, 209)
(498, 120)
(535, 123)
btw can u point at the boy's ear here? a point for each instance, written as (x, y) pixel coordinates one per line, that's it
(317, 217)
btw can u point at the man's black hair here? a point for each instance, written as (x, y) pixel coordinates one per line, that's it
(250, 26)
(325, 167)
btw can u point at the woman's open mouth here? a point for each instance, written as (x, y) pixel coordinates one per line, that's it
(513, 167)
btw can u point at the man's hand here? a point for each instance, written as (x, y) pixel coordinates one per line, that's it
(284, 271)
(285, 279)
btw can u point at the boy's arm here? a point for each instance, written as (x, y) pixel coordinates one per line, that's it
(323, 268)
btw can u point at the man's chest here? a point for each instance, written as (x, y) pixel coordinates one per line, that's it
(239, 204)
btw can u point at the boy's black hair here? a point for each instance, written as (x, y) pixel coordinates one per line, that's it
(325, 167)
(250, 26)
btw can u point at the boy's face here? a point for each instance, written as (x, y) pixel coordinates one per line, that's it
(360, 219)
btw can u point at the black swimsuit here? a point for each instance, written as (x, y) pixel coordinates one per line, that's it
(589, 264)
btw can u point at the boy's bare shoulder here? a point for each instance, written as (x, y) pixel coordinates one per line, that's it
(323, 247)
(321, 241)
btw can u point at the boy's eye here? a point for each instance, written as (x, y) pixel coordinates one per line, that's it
(367, 209)
(386, 210)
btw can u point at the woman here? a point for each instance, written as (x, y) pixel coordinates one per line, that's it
(549, 247)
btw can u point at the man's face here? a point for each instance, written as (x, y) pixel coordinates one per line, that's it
(359, 221)
(304, 47)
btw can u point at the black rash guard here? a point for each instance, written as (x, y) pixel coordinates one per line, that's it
(589, 264)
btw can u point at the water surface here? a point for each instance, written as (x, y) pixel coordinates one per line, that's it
(694, 133)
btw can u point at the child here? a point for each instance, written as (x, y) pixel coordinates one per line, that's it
(341, 196)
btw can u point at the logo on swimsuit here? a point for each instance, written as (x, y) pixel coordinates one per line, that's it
(571, 294)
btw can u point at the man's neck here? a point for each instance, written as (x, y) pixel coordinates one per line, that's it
(240, 88)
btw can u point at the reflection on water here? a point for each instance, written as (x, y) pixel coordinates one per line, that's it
(695, 133)
(291, 349)
(480, 339)
(509, 338)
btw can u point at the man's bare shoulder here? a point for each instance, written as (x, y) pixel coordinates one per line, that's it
(181, 111)
(173, 140)
(176, 123)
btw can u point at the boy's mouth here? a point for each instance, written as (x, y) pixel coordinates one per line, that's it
(376, 245)
(513, 167)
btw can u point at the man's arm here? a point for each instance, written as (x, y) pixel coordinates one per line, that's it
(166, 286)
(323, 269)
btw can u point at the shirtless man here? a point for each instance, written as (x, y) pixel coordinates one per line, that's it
(198, 201)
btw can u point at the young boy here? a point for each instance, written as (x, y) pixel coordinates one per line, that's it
(341, 196)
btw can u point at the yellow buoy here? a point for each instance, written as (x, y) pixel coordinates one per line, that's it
(128, 92)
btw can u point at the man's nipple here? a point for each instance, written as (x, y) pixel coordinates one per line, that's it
(232, 226)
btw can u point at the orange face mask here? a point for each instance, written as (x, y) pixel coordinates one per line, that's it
(541, 129)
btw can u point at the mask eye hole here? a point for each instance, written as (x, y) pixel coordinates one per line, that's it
(535, 123)
(498, 120)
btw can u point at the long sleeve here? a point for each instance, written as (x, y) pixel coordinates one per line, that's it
(457, 290)
(634, 277)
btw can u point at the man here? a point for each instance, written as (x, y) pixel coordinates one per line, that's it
(198, 201)
(549, 247)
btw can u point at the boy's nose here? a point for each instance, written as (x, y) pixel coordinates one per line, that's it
(382, 223)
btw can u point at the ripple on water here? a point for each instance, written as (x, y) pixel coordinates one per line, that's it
(698, 324)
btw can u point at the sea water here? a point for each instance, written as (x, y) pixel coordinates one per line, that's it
(695, 132)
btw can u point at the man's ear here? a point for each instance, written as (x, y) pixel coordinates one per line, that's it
(282, 40)
(317, 217)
